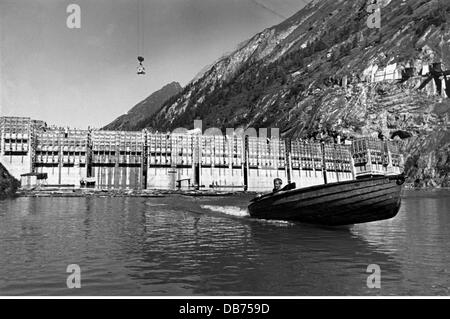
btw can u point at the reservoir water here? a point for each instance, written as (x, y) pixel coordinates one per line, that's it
(182, 246)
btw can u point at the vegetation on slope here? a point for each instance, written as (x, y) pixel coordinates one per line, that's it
(140, 115)
(8, 184)
(330, 40)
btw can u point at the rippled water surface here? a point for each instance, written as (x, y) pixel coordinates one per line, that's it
(181, 245)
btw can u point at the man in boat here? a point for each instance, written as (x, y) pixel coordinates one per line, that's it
(277, 182)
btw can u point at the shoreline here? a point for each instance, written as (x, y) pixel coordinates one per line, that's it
(155, 193)
(150, 193)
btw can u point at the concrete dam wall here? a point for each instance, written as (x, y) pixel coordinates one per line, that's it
(143, 160)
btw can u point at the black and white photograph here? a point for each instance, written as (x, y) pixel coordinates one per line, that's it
(224, 149)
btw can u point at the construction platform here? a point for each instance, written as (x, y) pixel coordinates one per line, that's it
(41, 155)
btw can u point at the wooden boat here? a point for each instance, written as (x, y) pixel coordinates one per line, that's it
(373, 194)
(358, 201)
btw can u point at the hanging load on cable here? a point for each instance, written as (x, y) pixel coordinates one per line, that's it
(140, 68)
(140, 36)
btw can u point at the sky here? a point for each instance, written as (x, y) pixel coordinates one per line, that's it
(87, 76)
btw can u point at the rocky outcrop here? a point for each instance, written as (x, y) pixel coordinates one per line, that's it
(8, 184)
(428, 159)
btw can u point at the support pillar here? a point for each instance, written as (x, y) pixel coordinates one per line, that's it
(324, 167)
(197, 161)
(245, 152)
(89, 154)
(335, 160)
(60, 158)
(443, 87)
(288, 160)
(144, 161)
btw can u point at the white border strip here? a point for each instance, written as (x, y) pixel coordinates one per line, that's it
(228, 298)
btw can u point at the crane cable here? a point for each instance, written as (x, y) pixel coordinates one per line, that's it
(261, 5)
(274, 12)
(140, 37)
(140, 27)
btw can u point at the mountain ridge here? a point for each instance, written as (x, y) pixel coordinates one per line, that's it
(139, 115)
(299, 35)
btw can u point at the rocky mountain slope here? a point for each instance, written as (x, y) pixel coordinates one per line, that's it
(314, 73)
(8, 184)
(139, 116)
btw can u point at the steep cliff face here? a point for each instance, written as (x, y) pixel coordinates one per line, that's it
(428, 163)
(8, 184)
(314, 73)
(140, 115)
(267, 78)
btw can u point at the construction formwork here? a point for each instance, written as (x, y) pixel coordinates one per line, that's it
(169, 161)
(395, 158)
(372, 156)
(48, 155)
(338, 163)
(15, 145)
(221, 162)
(74, 148)
(117, 159)
(306, 163)
(62, 154)
(263, 163)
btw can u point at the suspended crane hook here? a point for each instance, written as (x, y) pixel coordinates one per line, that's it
(140, 68)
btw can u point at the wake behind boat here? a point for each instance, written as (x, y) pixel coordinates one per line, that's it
(373, 195)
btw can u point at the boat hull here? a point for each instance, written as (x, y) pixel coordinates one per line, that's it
(344, 203)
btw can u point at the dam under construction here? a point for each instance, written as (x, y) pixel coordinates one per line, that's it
(39, 155)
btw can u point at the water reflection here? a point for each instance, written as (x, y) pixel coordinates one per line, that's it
(208, 246)
(418, 238)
